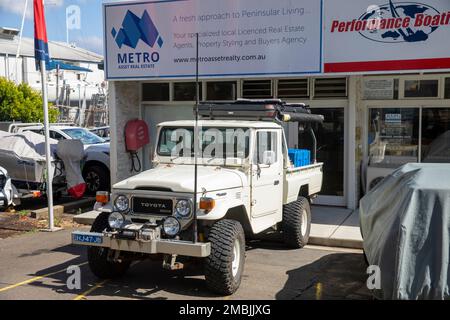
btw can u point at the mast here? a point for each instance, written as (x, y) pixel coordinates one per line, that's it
(20, 40)
(196, 143)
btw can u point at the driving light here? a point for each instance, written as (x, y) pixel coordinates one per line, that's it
(171, 226)
(122, 203)
(207, 204)
(183, 208)
(115, 220)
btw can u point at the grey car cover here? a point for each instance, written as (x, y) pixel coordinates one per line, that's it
(405, 224)
(71, 153)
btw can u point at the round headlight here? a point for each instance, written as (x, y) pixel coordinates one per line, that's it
(122, 203)
(183, 208)
(171, 226)
(115, 220)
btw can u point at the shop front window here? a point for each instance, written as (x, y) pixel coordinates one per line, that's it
(393, 136)
(421, 88)
(221, 91)
(436, 135)
(186, 91)
(155, 92)
(447, 88)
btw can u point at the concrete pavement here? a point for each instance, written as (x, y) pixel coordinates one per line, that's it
(335, 226)
(33, 266)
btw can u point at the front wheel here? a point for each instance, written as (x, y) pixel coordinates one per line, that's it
(99, 257)
(296, 223)
(225, 265)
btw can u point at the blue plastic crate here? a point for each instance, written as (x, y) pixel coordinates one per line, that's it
(300, 157)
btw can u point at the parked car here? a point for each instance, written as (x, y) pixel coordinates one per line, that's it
(247, 186)
(405, 224)
(96, 170)
(102, 132)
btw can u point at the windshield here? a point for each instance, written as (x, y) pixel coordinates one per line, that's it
(217, 143)
(84, 135)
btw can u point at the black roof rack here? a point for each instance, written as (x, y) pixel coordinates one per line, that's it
(259, 110)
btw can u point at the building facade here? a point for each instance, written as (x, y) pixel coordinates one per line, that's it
(378, 73)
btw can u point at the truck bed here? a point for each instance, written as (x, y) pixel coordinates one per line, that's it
(309, 177)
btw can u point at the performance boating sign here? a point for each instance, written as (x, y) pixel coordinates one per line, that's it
(364, 36)
(251, 38)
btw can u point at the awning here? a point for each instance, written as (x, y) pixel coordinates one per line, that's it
(54, 64)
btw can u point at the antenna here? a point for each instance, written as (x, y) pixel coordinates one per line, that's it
(196, 142)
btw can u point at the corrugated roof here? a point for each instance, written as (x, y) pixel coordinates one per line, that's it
(58, 50)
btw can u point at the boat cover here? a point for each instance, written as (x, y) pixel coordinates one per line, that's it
(27, 144)
(405, 223)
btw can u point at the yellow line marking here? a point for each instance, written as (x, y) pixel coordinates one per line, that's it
(319, 291)
(90, 290)
(35, 279)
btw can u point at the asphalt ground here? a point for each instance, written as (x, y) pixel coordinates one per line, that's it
(34, 266)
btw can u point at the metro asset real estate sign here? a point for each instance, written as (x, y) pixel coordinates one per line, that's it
(261, 38)
(236, 38)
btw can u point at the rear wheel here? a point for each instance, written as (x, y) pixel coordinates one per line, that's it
(296, 223)
(96, 178)
(99, 257)
(225, 265)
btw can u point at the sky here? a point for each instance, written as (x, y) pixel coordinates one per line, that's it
(89, 36)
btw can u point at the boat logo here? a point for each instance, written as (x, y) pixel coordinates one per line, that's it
(395, 22)
(134, 29)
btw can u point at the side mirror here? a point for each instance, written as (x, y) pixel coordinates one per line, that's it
(269, 157)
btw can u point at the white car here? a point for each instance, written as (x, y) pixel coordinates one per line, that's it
(96, 172)
(246, 186)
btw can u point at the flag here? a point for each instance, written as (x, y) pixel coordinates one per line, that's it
(40, 34)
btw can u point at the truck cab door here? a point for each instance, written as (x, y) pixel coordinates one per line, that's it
(267, 177)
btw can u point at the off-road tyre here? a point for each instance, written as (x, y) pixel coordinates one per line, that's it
(98, 256)
(295, 215)
(223, 273)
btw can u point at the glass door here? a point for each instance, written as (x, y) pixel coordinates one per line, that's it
(331, 151)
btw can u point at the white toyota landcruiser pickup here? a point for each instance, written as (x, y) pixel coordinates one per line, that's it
(246, 185)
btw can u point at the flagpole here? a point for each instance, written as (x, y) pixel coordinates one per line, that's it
(48, 157)
(20, 42)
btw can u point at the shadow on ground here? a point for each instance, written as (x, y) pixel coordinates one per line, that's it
(333, 277)
(143, 280)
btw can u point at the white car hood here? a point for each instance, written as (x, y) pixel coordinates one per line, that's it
(180, 178)
(99, 147)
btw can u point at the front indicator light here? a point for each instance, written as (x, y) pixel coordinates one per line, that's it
(207, 204)
(102, 197)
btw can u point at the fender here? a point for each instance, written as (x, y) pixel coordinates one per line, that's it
(221, 209)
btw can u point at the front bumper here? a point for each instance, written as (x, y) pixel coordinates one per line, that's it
(108, 240)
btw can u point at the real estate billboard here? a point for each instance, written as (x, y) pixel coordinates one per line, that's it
(157, 39)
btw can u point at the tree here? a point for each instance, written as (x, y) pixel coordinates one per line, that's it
(22, 103)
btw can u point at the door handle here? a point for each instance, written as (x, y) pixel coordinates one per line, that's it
(276, 182)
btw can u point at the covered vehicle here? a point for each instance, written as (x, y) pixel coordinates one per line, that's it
(405, 224)
(22, 155)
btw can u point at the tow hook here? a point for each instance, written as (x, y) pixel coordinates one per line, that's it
(170, 262)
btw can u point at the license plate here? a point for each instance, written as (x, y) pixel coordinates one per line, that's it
(87, 238)
(2, 202)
